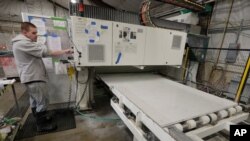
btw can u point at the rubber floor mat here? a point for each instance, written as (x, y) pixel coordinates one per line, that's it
(64, 118)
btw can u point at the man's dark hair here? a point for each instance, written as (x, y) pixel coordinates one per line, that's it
(25, 26)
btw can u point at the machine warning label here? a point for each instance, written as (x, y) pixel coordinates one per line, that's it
(239, 132)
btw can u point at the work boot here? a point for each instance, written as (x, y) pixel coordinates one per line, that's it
(33, 111)
(42, 124)
(49, 115)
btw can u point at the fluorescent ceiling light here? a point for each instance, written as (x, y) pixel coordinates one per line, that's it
(73, 1)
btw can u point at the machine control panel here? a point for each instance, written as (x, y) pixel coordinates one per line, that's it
(108, 43)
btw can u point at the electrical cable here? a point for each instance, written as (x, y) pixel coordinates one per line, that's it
(209, 87)
(83, 94)
(76, 82)
(70, 93)
(245, 122)
(67, 27)
(72, 42)
(224, 33)
(84, 91)
(80, 82)
(206, 86)
(74, 45)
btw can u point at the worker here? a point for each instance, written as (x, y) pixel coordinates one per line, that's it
(28, 57)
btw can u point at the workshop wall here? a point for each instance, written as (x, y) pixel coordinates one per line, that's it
(10, 15)
(10, 19)
(217, 71)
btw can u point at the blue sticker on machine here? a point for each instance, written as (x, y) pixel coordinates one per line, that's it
(53, 34)
(104, 27)
(44, 20)
(118, 58)
(86, 31)
(93, 23)
(98, 33)
(91, 40)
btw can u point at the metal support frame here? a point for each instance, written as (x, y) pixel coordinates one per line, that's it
(135, 126)
(144, 128)
(11, 82)
(91, 84)
(178, 135)
(120, 104)
(224, 124)
(14, 94)
(185, 64)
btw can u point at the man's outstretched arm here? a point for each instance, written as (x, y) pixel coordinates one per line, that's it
(60, 52)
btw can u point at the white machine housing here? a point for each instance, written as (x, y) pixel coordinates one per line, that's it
(93, 39)
(164, 47)
(107, 43)
(128, 44)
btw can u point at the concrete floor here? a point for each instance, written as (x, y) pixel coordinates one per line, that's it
(87, 129)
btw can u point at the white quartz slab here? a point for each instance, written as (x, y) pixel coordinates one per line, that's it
(165, 101)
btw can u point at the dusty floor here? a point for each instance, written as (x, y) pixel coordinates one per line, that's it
(87, 129)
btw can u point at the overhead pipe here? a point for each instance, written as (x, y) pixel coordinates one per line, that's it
(147, 20)
(185, 4)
